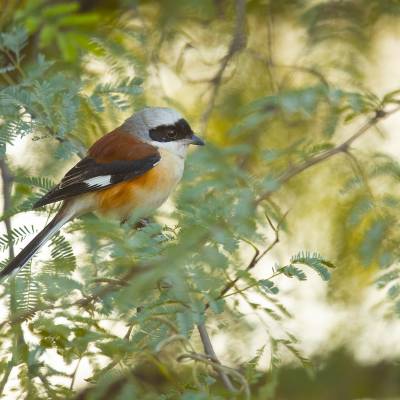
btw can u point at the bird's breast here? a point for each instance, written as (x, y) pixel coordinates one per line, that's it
(144, 194)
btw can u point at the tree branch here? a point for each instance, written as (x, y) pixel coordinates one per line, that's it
(17, 333)
(7, 181)
(341, 148)
(101, 292)
(238, 42)
(209, 350)
(256, 258)
(205, 359)
(272, 65)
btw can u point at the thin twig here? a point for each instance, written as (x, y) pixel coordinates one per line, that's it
(209, 350)
(358, 170)
(172, 339)
(270, 64)
(270, 56)
(17, 333)
(240, 291)
(13, 61)
(238, 42)
(7, 181)
(257, 256)
(113, 363)
(73, 377)
(205, 359)
(100, 293)
(7, 372)
(8, 79)
(341, 148)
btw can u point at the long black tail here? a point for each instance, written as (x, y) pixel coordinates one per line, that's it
(36, 243)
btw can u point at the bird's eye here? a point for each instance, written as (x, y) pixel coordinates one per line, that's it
(171, 134)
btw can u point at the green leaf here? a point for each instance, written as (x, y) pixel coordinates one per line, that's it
(185, 322)
(268, 286)
(17, 236)
(62, 254)
(15, 40)
(372, 241)
(60, 9)
(36, 181)
(292, 271)
(314, 261)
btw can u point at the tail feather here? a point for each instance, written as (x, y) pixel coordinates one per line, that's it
(36, 243)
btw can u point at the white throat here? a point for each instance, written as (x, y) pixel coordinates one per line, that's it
(177, 148)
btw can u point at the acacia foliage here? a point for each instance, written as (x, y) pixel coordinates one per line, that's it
(270, 123)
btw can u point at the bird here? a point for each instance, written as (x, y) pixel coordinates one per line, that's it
(129, 171)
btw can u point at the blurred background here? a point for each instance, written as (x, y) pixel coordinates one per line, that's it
(283, 238)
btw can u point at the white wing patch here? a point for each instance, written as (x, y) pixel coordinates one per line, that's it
(98, 181)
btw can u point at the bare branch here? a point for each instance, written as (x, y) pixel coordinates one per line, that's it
(209, 350)
(358, 170)
(257, 256)
(270, 56)
(238, 42)
(230, 371)
(73, 376)
(270, 64)
(18, 335)
(7, 181)
(341, 148)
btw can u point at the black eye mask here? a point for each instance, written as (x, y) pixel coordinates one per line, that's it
(169, 133)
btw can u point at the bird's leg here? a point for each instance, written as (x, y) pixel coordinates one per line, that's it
(140, 224)
(123, 221)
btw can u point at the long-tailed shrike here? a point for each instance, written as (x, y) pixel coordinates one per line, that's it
(132, 169)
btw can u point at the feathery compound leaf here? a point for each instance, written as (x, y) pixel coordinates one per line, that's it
(14, 40)
(394, 291)
(268, 286)
(8, 133)
(274, 300)
(27, 291)
(115, 94)
(185, 322)
(62, 254)
(36, 181)
(289, 345)
(386, 278)
(26, 205)
(252, 372)
(292, 271)
(372, 240)
(17, 236)
(314, 261)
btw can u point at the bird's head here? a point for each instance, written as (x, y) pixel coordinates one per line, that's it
(163, 128)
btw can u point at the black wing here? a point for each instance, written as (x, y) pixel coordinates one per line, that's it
(89, 175)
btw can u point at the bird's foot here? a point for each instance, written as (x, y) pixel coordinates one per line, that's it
(140, 224)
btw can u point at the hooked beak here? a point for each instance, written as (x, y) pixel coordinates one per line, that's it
(196, 140)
